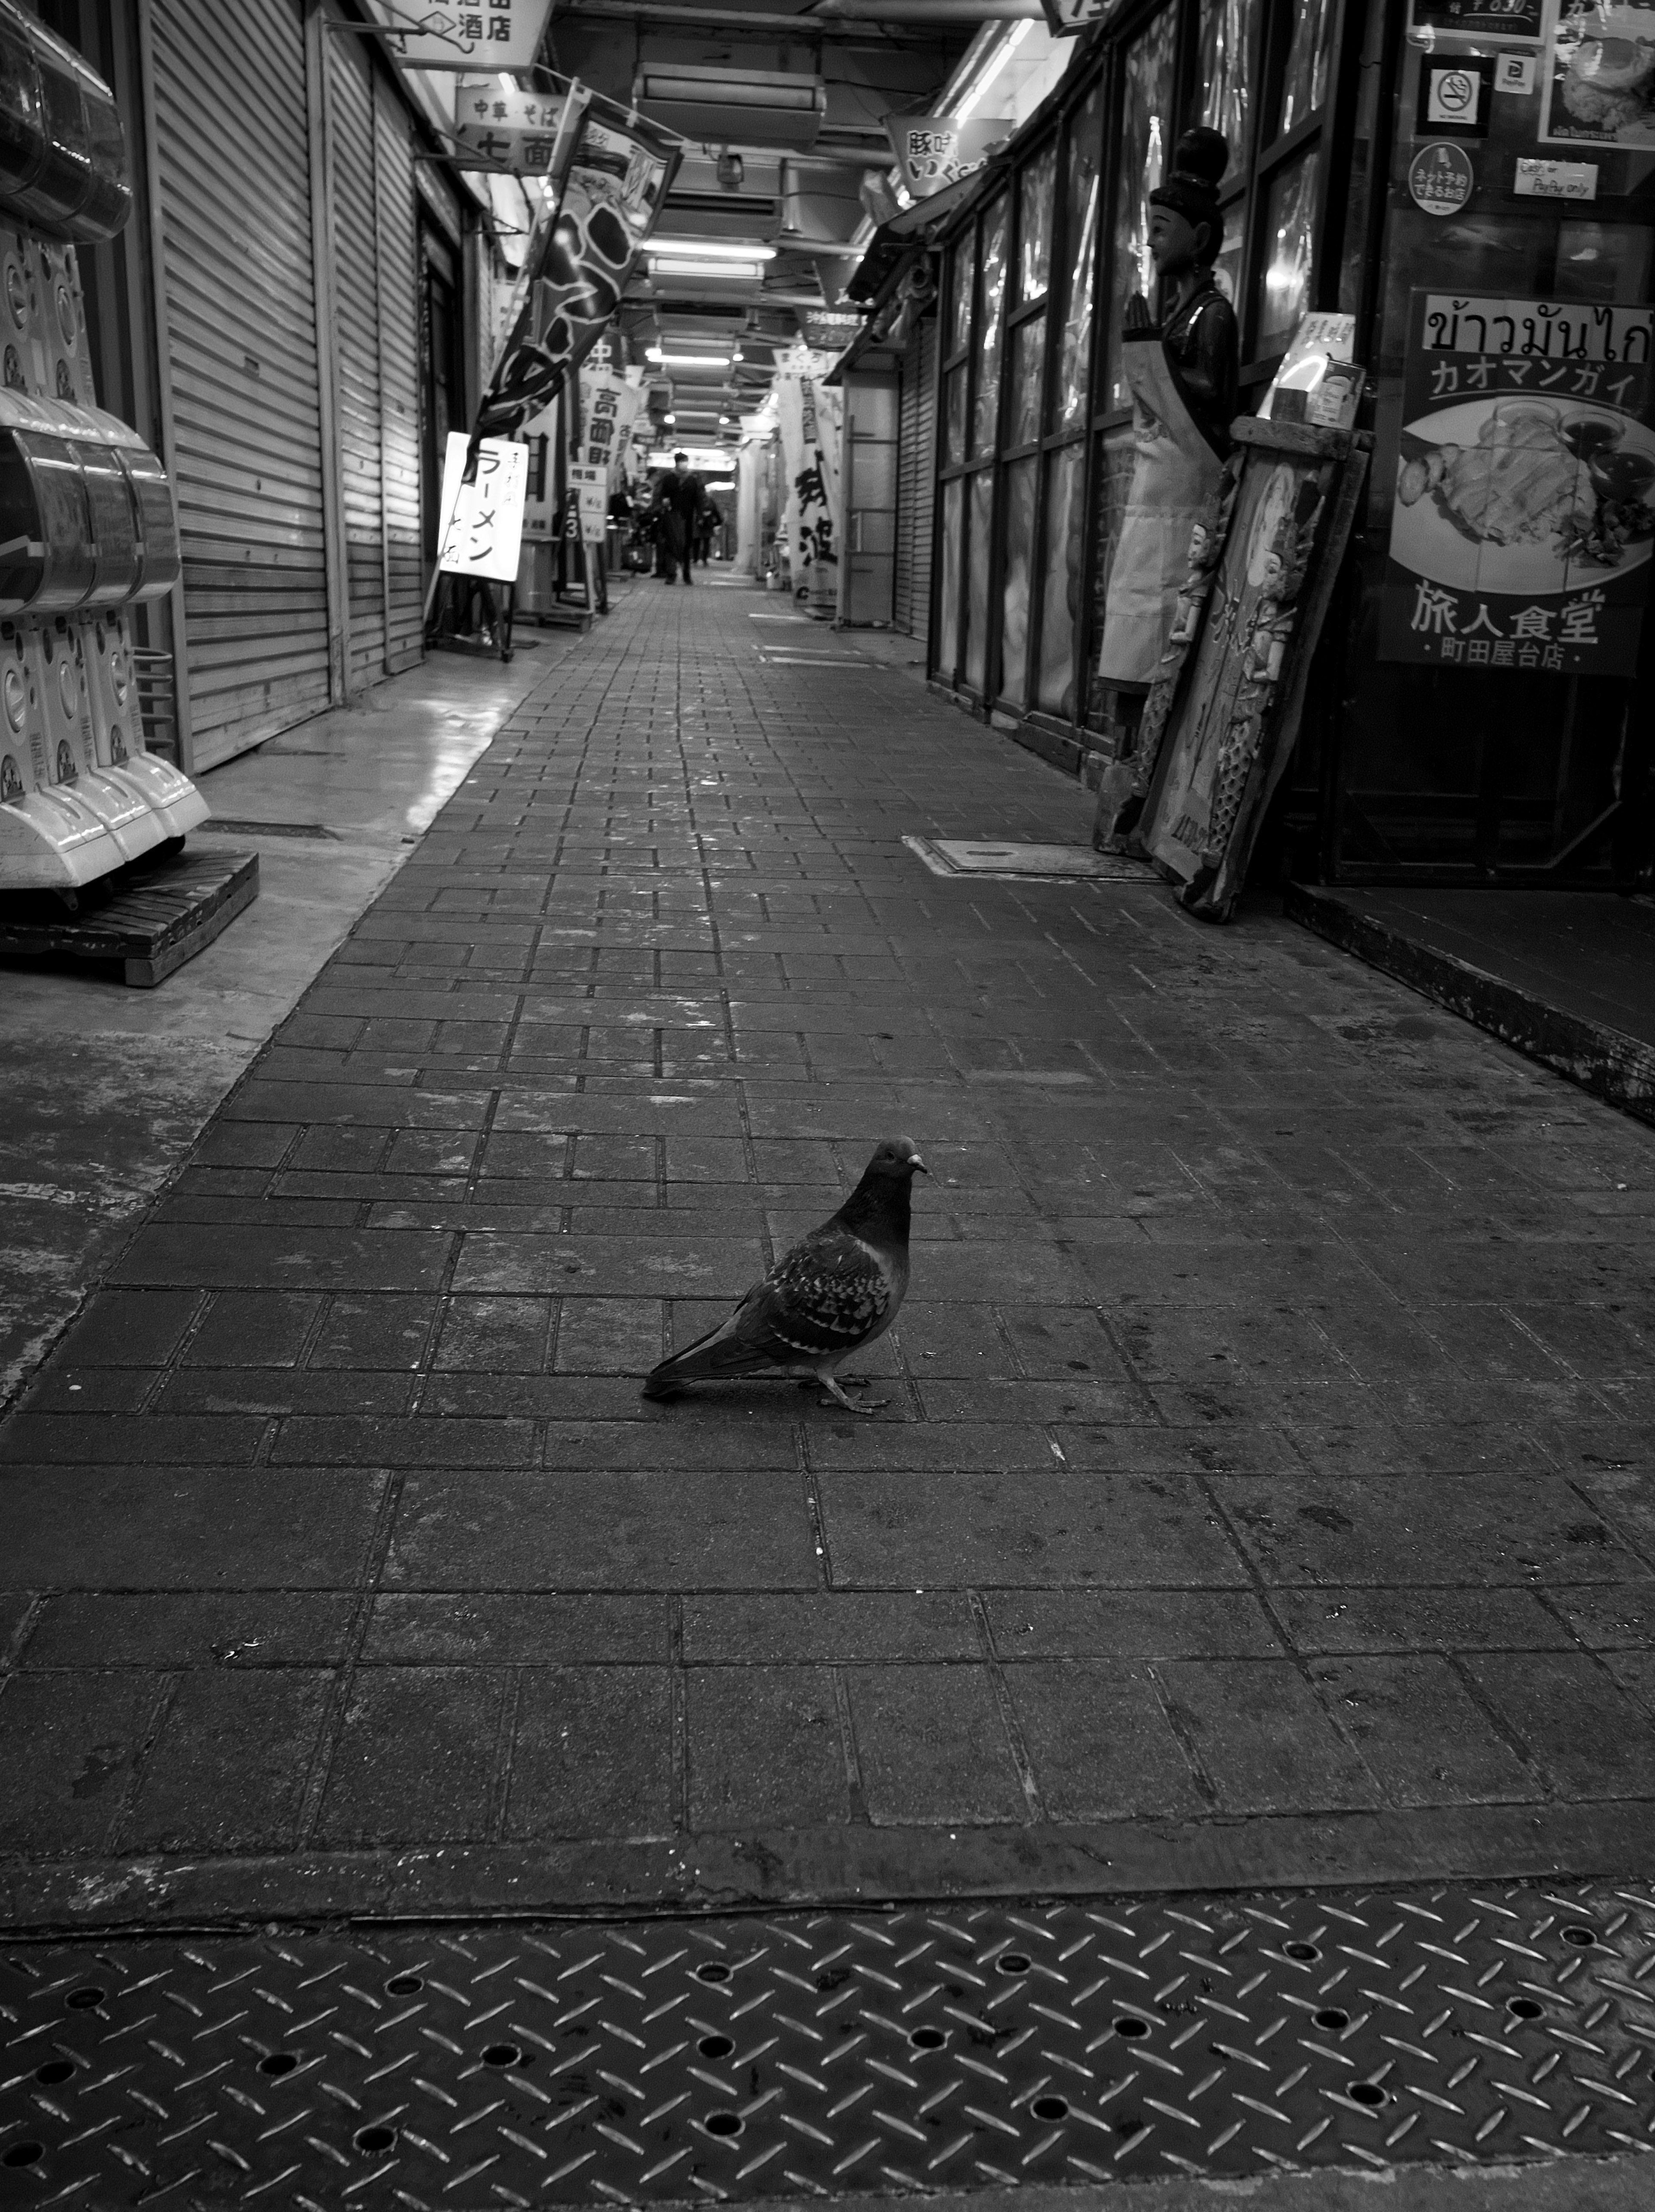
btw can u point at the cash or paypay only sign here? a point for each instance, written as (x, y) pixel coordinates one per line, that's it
(482, 522)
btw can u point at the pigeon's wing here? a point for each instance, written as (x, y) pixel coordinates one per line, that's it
(828, 1294)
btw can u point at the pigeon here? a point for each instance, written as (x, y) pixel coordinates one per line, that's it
(838, 1289)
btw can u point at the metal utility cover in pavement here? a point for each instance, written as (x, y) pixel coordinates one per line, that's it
(1004, 860)
(738, 2057)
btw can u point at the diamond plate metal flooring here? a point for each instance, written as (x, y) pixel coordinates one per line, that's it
(661, 2060)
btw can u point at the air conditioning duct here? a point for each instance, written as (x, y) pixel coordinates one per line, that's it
(719, 106)
(822, 202)
(700, 206)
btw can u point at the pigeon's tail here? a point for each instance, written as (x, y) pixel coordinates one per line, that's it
(722, 1353)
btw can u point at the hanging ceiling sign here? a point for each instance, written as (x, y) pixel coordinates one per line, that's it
(1067, 19)
(504, 35)
(514, 130)
(935, 151)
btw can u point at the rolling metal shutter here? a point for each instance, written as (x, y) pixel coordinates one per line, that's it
(232, 144)
(353, 141)
(916, 481)
(399, 313)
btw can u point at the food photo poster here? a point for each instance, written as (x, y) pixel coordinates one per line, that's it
(1522, 515)
(1598, 62)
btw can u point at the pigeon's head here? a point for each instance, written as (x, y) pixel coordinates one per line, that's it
(896, 1160)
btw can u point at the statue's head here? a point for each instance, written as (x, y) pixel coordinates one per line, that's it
(1185, 229)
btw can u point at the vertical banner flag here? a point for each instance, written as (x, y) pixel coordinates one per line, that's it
(498, 34)
(1523, 513)
(608, 405)
(808, 419)
(616, 177)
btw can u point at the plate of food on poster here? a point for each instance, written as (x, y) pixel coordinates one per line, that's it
(1521, 493)
(1599, 82)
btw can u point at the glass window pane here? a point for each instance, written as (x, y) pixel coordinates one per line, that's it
(1086, 155)
(1111, 481)
(1060, 555)
(1288, 209)
(1226, 40)
(953, 521)
(977, 549)
(1018, 529)
(953, 408)
(1226, 269)
(1304, 80)
(1034, 204)
(990, 299)
(1028, 353)
(958, 325)
(1146, 108)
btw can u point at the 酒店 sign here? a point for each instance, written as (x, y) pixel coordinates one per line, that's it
(504, 35)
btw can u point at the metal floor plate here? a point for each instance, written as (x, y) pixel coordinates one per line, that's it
(808, 2053)
(1003, 860)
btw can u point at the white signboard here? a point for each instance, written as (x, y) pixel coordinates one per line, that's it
(482, 522)
(514, 128)
(505, 34)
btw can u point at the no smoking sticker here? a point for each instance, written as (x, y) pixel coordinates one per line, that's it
(1440, 179)
(1455, 94)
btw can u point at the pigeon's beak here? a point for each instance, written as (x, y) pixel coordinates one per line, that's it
(918, 1165)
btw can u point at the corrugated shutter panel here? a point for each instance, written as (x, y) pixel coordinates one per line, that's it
(352, 156)
(916, 481)
(398, 229)
(233, 147)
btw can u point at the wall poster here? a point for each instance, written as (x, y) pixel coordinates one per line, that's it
(1524, 510)
(1598, 74)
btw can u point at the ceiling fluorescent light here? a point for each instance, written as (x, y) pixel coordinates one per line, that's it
(707, 249)
(731, 271)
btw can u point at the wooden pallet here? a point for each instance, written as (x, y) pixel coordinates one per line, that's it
(151, 917)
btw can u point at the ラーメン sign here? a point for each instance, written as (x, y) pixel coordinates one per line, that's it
(1523, 509)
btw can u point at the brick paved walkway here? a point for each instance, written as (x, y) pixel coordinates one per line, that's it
(1266, 1491)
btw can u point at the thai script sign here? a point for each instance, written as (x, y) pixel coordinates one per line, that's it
(1524, 508)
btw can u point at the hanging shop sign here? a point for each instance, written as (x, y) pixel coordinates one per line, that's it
(935, 151)
(1440, 179)
(578, 263)
(1483, 20)
(480, 531)
(515, 130)
(1523, 511)
(505, 34)
(1598, 74)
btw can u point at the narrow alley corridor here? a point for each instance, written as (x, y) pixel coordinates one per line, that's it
(1271, 1407)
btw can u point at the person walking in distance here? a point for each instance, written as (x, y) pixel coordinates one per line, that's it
(678, 506)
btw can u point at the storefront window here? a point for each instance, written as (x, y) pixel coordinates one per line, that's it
(1034, 206)
(1226, 269)
(953, 518)
(978, 550)
(1014, 584)
(1061, 563)
(959, 299)
(1305, 81)
(1028, 354)
(954, 415)
(1140, 164)
(990, 300)
(1086, 149)
(1289, 212)
(1227, 34)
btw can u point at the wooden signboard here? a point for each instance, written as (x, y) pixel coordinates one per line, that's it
(1221, 717)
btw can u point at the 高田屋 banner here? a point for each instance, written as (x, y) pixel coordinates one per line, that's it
(1524, 508)
(615, 179)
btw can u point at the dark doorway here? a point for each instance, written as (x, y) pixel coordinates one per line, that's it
(441, 373)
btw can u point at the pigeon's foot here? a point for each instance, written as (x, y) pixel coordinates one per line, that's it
(836, 1396)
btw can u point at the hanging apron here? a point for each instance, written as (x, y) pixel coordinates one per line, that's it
(1174, 471)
